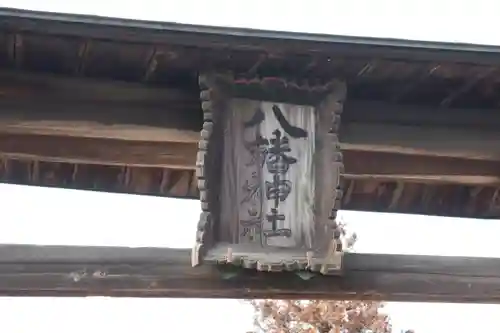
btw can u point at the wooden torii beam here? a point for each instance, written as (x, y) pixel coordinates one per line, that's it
(40, 104)
(182, 156)
(29, 270)
(84, 121)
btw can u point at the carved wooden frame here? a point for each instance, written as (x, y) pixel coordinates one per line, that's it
(216, 91)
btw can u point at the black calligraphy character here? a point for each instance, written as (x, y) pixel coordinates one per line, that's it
(251, 189)
(277, 159)
(257, 149)
(248, 232)
(293, 131)
(278, 190)
(251, 227)
(245, 232)
(274, 217)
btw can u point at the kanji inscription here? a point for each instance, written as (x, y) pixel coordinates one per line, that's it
(268, 170)
(276, 178)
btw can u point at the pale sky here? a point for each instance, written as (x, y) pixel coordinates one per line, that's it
(69, 217)
(89, 218)
(434, 20)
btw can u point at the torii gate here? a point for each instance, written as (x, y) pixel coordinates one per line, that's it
(118, 105)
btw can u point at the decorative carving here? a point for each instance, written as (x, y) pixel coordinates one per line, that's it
(209, 152)
(268, 169)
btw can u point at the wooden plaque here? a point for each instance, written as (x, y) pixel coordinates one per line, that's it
(268, 169)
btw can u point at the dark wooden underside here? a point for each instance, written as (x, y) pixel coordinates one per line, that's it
(448, 75)
(154, 272)
(365, 193)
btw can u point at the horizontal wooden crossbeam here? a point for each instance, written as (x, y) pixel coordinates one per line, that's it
(28, 270)
(182, 155)
(51, 105)
(84, 121)
(411, 140)
(176, 155)
(421, 140)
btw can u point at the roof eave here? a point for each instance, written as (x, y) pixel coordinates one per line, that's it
(138, 31)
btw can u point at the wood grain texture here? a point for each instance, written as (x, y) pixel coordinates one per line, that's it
(29, 270)
(26, 86)
(438, 195)
(208, 164)
(245, 177)
(39, 99)
(97, 177)
(176, 155)
(42, 104)
(268, 158)
(330, 169)
(358, 164)
(97, 130)
(298, 208)
(460, 142)
(242, 203)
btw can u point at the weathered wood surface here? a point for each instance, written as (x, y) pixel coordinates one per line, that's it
(246, 174)
(423, 116)
(116, 123)
(26, 86)
(414, 140)
(97, 130)
(362, 194)
(145, 32)
(470, 143)
(26, 89)
(27, 270)
(37, 100)
(176, 155)
(182, 155)
(53, 105)
(95, 177)
(260, 155)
